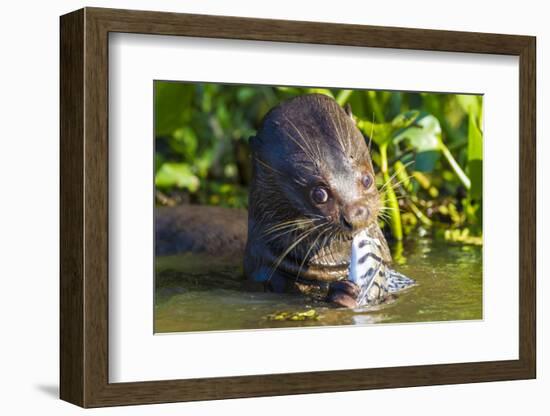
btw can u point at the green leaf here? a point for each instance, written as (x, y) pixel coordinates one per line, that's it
(390, 198)
(159, 160)
(179, 175)
(173, 102)
(405, 119)
(475, 158)
(374, 101)
(323, 91)
(471, 104)
(185, 142)
(245, 94)
(289, 90)
(423, 135)
(343, 96)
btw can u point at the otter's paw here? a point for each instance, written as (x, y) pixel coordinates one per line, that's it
(343, 293)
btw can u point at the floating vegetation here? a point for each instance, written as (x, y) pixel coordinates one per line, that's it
(463, 236)
(309, 315)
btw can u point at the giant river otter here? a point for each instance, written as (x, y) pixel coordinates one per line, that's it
(313, 210)
(312, 191)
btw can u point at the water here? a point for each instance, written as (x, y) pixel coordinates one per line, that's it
(202, 293)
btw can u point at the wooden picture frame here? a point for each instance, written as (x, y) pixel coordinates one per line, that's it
(84, 207)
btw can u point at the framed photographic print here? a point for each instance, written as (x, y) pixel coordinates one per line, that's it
(256, 207)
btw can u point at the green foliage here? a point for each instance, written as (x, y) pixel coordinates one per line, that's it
(427, 147)
(177, 174)
(475, 156)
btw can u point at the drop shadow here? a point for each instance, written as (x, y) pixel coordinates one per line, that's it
(51, 390)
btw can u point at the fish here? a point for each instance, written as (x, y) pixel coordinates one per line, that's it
(374, 278)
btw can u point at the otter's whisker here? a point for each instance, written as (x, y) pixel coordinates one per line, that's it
(386, 213)
(325, 239)
(292, 246)
(309, 251)
(397, 198)
(392, 209)
(390, 181)
(295, 220)
(309, 150)
(316, 216)
(395, 185)
(346, 134)
(385, 218)
(285, 224)
(283, 233)
(371, 132)
(395, 174)
(338, 135)
(267, 166)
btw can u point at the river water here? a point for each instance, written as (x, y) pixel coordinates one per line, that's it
(203, 293)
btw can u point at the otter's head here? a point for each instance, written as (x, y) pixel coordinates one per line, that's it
(312, 163)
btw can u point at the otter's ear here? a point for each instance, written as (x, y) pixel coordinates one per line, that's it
(347, 109)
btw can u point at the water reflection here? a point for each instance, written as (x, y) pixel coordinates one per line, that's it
(201, 293)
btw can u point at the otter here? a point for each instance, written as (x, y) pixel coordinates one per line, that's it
(312, 191)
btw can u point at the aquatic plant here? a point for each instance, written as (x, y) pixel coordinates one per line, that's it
(427, 148)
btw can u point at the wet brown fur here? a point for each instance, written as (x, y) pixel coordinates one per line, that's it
(303, 143)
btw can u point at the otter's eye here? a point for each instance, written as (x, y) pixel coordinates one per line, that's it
(319, 195)
(366, 180)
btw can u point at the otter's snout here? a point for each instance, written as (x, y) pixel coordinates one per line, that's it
(354, 217)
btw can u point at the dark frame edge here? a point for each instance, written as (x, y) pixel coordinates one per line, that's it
(528, 208)
(294, 31)
(84, 189)
(72, 342)
(285, 384)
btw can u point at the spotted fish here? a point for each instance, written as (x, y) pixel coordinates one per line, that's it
(368, 271)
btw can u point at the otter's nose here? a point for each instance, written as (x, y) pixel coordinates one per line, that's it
(354, 216)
